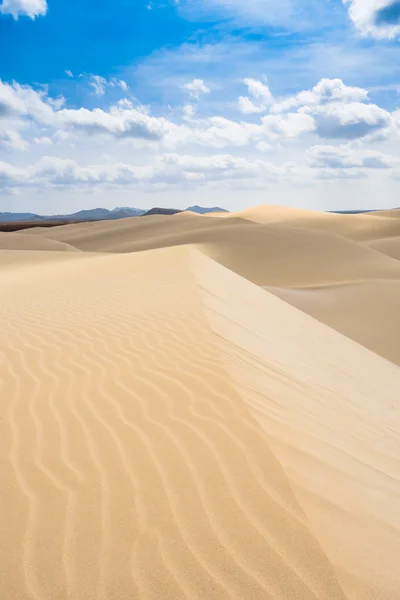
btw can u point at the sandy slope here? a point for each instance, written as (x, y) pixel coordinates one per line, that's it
(287, 250)
(389, 246)
(366, 311)
(19, 241)
(358, 227)
(394, 213)
(166, 429)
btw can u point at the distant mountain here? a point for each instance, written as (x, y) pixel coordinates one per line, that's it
(94, 214)
(101, 214)
(202, 211)
(128, 211)
(161, 211)
(351, 212)
(7, 217)
(358, 212)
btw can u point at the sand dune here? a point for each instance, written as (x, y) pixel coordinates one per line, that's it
(291, 256)
(287, 256)
(364, 311)
(19, 241)
(358, 227)
(388, 246)
(136, 234)
(394, 213)
(169, 429)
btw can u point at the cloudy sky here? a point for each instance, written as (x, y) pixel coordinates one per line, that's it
(174, 102)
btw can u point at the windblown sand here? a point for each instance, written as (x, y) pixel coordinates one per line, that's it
(201, 407)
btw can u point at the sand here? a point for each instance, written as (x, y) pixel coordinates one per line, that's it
(201, 407)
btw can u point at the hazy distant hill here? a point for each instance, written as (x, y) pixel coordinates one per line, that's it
(202, 211)
(99, 214)
(7, 217)
(94, 214)
(161, 211)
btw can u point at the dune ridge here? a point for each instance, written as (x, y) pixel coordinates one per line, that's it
(332, 258)
(298, 400)
(170, 429)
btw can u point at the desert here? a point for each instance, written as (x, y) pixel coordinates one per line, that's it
(201, 406)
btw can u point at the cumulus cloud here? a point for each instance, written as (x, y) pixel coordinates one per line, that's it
(344, 157)
(24, 8)
(23, 101)
(263, 146)
(196, 88)
(219, 132)
(330, 110)
(45, 141)
(11, 176)
(13, 140)
(377, 18)
(170, 168)
(221, 164)
(350, 121)
(324, 92)
(51, 171)
(117, 122)
(259, 98)
(337, 110)
(287, 126)
(189, 111)
(188, 170)
(120, 121)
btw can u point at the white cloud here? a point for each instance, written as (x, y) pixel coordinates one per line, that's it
(330, 110)
(377, 18)
(196, 88)
(120, 121)
(344, 157)
(69, 73)
(287, 126)
(21, 8)
(214, 164)
(247, 106)
(337, 110)
(170, 168)
(11, 176)
(23, 101)
(218, 132)
(123, 85)
(52, 171)
(44, 141)
(189, 111)
(214, 151)
(117, 122)
(263, 147)
(324, 92)
(260, 97)
(98, 84)
(349, 121)
(13, 140)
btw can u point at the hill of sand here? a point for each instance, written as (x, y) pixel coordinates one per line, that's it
(389, 246)
(201, 407)
(19, 241)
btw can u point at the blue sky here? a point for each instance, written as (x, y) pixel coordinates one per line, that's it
(167, 102)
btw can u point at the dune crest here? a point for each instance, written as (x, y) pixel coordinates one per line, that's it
(319, 397)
